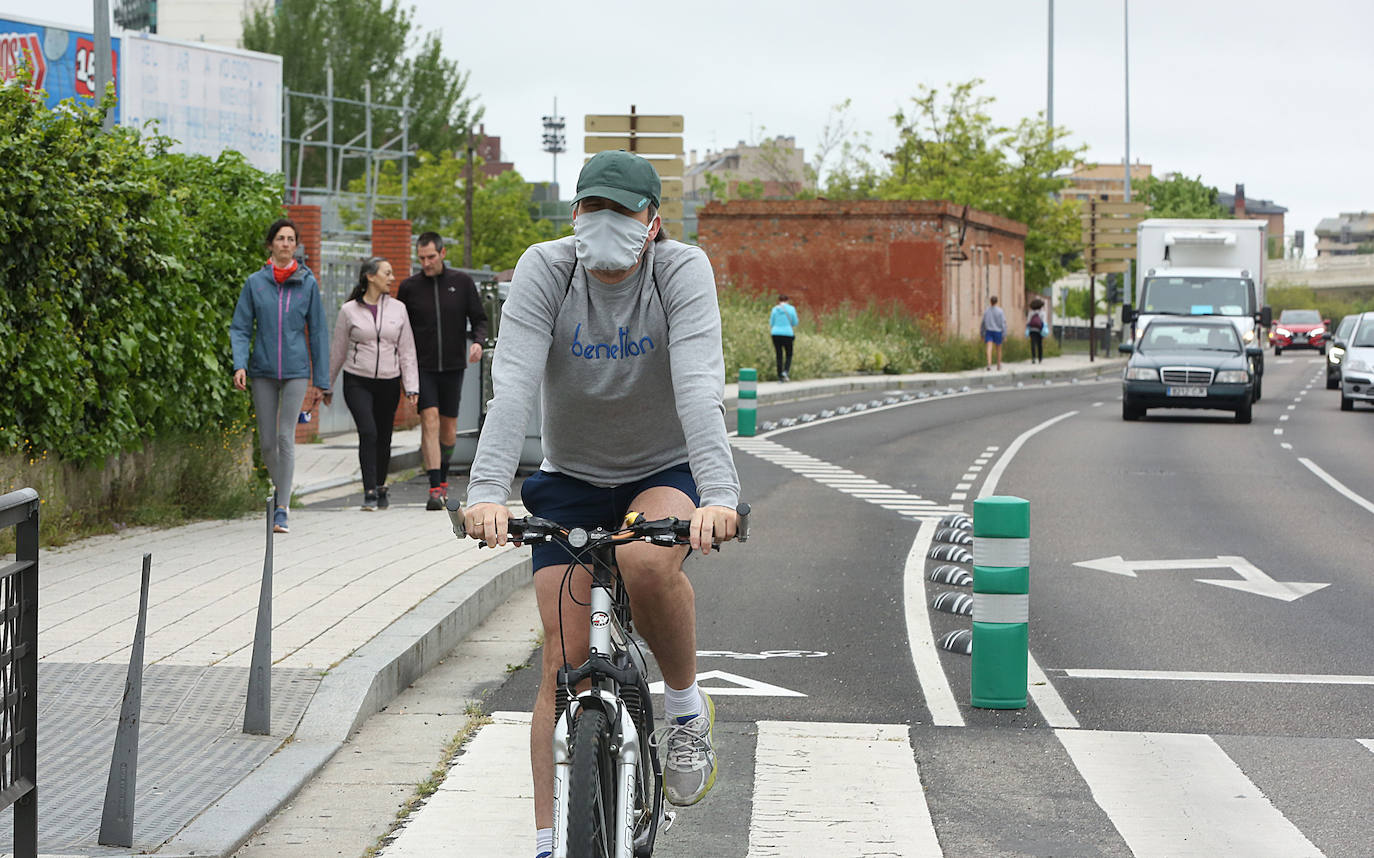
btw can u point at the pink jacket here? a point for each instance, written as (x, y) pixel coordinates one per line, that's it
(382, 347)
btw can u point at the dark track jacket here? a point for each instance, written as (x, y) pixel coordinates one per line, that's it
(440, 309)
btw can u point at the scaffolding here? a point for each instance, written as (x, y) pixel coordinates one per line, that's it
(319, 112)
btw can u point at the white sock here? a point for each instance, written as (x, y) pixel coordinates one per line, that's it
(543, 842)
(684, 703)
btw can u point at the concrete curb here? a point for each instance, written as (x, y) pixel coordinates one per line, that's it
(362, 684)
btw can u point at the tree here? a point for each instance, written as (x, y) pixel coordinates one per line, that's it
(949, 148)
(503, 223)
(1180, 196)
(362, 41)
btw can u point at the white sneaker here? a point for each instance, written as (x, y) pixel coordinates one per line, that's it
(689, 771)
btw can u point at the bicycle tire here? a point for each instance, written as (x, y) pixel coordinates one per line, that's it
(591, 788)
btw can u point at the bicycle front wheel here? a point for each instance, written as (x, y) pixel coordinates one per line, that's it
(591, 788)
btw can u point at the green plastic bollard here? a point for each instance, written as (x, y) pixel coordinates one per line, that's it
(748, 409)
(1001, 602)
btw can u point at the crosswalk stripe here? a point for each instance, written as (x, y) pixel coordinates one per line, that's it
(1368, 743)
(1176, 795)
(838, 789)
(485, 806)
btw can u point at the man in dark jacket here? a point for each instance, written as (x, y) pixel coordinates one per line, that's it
(441, 303)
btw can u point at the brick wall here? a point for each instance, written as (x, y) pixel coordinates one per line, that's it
(307, 219)
(822, 253)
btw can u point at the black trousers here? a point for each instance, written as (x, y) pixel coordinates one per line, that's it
(372, 402)
(1037, 341)
(783, 347)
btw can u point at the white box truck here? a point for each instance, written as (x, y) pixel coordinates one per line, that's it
(1198, 267)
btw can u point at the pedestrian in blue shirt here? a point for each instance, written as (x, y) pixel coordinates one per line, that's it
(782, 322)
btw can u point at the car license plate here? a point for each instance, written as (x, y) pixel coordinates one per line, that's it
(1187, 391)
(1300, 338)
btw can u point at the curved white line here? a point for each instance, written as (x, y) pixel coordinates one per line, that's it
(930, 674)
(1047, 700)
(1336, 484)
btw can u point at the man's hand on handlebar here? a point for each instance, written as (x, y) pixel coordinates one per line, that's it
(486, 520)
(712, 524)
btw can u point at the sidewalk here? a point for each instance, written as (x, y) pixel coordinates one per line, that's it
(364, 603)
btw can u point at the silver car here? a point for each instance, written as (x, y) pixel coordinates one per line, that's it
(1357, 364)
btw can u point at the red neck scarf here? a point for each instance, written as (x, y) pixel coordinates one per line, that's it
(280, 274)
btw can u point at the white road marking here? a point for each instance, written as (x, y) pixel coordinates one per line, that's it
(944, 711)
(995, 475)
(1283, 417)
(1179, 796)
(1336, 484)
(1278, 431)
(1292, 408)
(1368, 743)
(838, 789)
(1217, 676)
(958, 496)
(963, 487)
(485, 802)
(743, 686)
(1287, 446)
(973, 469)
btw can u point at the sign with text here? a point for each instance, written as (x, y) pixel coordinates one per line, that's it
(207, 98)
(638, 123)
(60, 62)
(639, 145)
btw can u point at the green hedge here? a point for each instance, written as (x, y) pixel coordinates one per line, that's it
(121, 266)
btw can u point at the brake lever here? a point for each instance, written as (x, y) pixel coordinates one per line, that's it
(455, 515)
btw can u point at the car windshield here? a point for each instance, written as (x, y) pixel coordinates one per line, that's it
(1364, 337)
(1346, 326)
(1300, 317)
(1191, 338)
(1197, 296)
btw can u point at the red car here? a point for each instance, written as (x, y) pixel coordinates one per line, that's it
(1299, 329)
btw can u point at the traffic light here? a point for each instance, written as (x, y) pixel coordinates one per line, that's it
(1113, 288)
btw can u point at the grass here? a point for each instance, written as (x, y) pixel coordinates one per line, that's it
(849, 340)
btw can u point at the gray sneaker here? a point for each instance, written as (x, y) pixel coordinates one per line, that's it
(689, 770)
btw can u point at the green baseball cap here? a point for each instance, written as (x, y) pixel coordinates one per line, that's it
(622, 177)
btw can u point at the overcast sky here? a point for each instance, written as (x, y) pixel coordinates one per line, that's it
(1277, 95)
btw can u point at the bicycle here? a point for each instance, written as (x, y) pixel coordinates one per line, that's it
(608, 782)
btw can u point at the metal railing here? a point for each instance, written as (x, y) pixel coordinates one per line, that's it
(19, 671)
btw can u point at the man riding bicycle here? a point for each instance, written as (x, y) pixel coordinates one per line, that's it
(620, 329)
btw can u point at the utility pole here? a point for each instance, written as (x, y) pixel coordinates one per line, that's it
(467, 202)
(101, 61)
(1049, 88)
(554, 140)
(1126, 54)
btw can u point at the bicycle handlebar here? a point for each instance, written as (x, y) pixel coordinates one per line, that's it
(664, 531)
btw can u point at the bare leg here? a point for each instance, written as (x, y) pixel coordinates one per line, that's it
(661, 598)
(447, 433)
(429, 438)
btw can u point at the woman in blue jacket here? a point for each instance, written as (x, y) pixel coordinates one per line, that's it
(281, 344)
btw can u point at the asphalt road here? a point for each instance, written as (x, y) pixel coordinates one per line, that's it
(1201, 652)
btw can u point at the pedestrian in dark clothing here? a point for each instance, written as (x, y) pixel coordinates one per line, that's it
(782, 324)
(279, 339)
(442, 304)
(1036, 329)
(374, 347)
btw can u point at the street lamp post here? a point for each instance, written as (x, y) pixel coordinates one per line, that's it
(554, 140)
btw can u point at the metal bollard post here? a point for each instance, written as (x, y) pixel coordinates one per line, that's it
(257, 710)
(1001, 602)
(748, 407)
(117, 820)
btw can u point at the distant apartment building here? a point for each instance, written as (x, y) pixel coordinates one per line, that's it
(1346, 235)
(218, 22)
(774, 169)
(1252, 209)
(1103, 182)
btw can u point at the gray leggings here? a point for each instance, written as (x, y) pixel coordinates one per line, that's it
(278, 404)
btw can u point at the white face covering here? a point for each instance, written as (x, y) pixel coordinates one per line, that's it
(608, 241)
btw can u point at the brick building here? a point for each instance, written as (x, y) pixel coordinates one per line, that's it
(1252, 209)
(909, 253)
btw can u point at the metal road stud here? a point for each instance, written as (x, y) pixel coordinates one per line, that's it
(747, 411)
(1001, 602)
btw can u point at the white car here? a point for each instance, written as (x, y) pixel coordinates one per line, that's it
(1357, 364)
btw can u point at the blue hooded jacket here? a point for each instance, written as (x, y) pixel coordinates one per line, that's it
(273, 320)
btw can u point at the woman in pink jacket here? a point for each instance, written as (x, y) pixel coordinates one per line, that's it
(374, 347)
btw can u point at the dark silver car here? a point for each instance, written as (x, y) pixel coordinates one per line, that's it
(1188, 362)
(1339, 338)
(1357, 364)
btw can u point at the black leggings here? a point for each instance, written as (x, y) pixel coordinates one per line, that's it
(783, 347)
(1037, 341)
(372, 402)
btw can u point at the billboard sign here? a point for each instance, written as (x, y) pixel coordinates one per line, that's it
(61, 61)
(207, 98)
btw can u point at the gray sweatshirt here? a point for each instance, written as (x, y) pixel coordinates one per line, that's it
(632, 374)
(994, 319)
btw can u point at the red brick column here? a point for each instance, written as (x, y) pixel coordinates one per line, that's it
(307, 219)
(391, 240)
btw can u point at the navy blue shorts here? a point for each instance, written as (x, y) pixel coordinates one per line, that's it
(574, 503)
(994, 337)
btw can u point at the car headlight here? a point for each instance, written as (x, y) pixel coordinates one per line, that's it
(1357, 365)
(1249, 336)
(1142, 373)
(1335, 354)
(1283, 332)
(1316, 332)
(1232, 376)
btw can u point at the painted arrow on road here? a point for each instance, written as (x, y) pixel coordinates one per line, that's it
(1252, 578)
